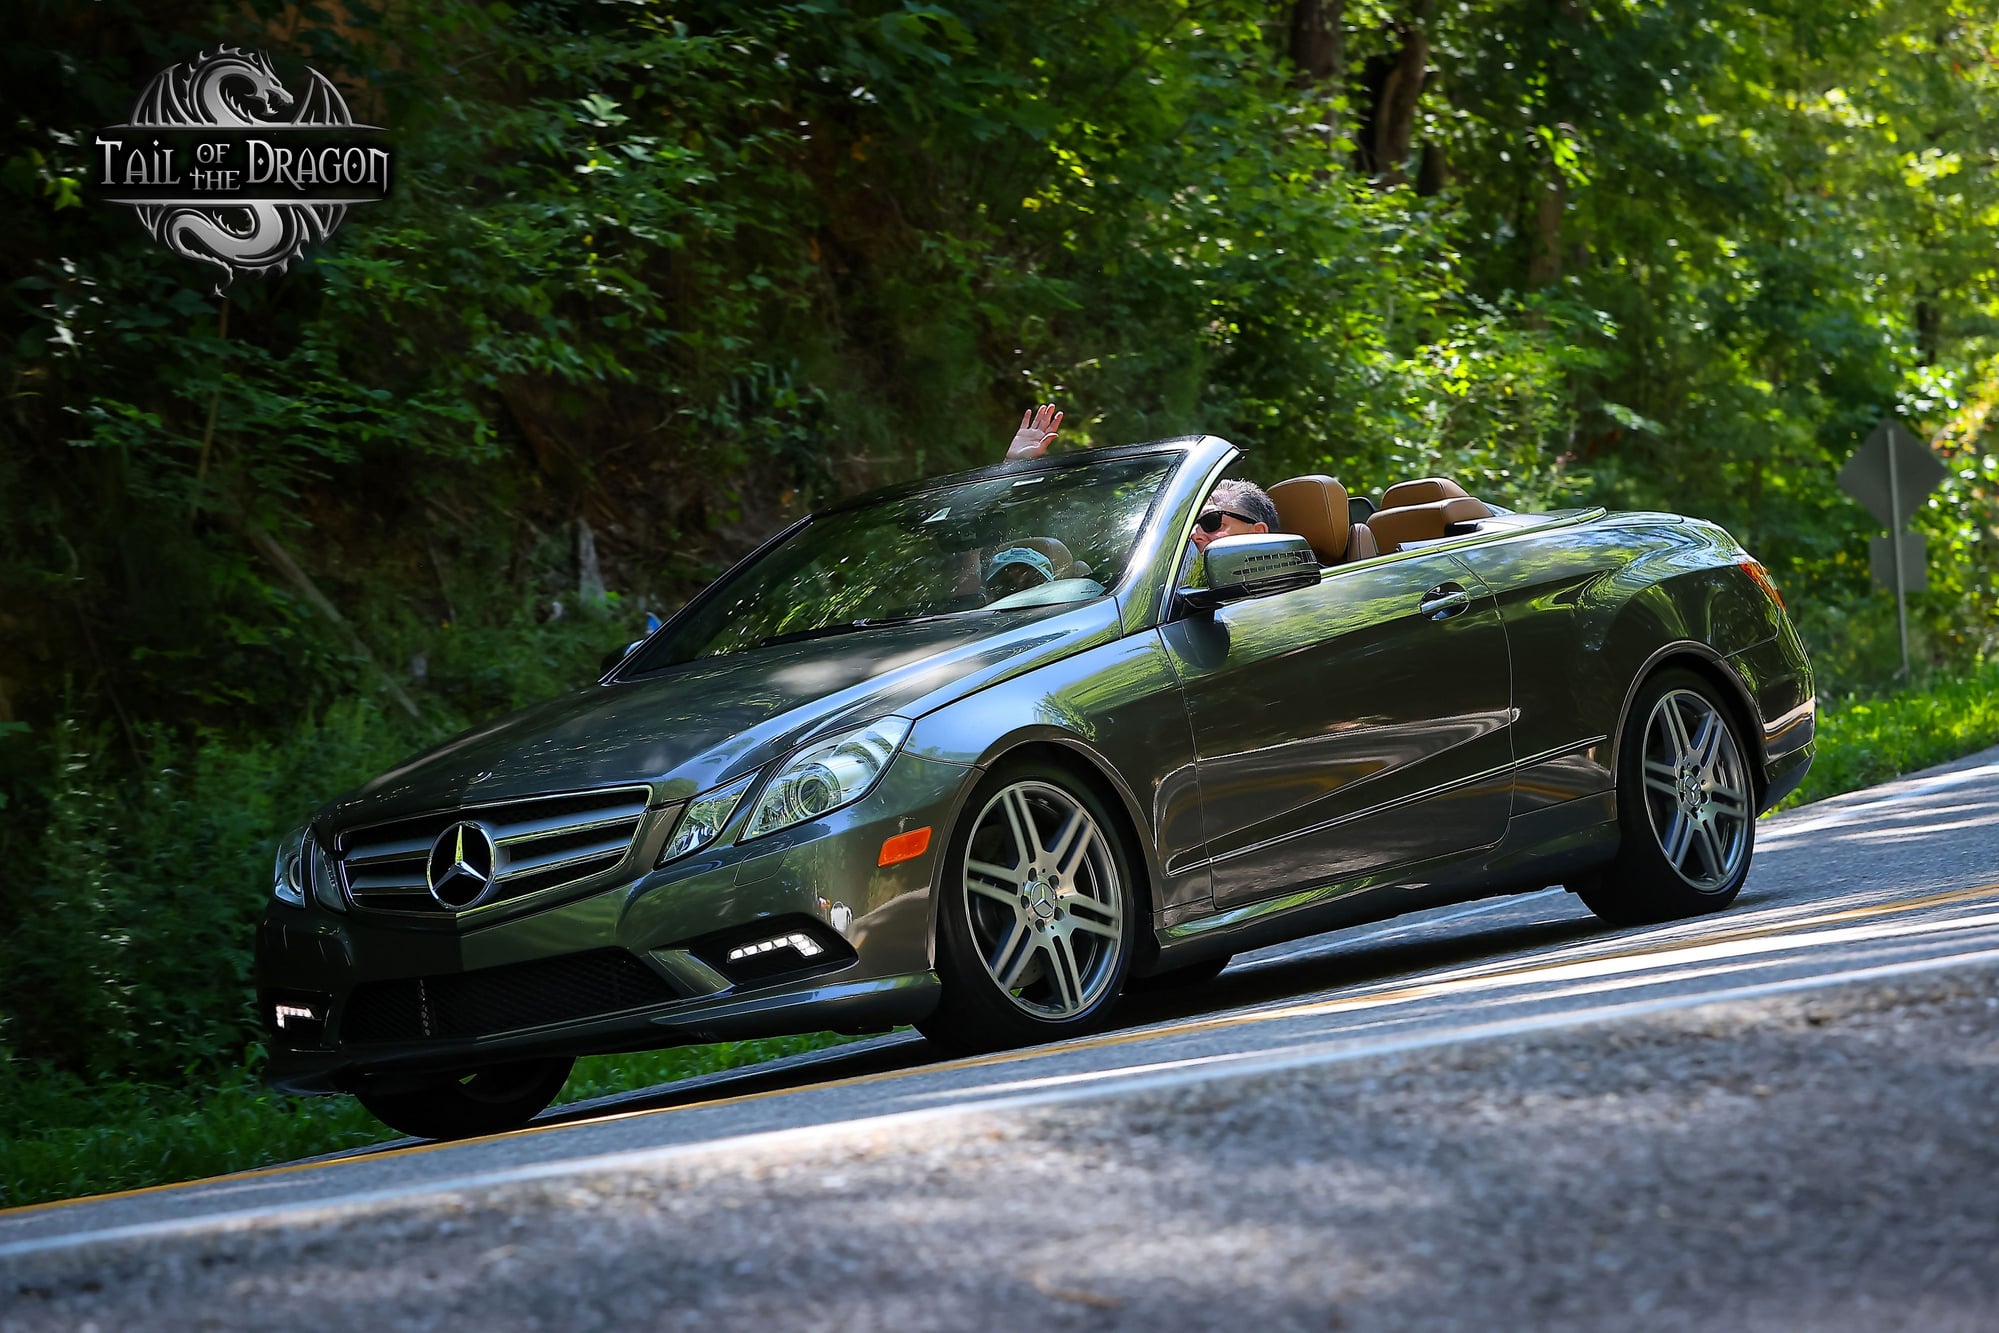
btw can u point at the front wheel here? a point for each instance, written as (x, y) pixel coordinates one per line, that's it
(487, 1101)
(1036, 921)
(1686, 808)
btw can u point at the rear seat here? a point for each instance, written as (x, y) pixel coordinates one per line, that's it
(1315, 508)
(1422, 510)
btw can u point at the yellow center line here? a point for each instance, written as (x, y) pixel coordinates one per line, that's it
(1189, 1027)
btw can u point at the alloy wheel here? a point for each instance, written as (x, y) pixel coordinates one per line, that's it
(1696, 790)
(1045, 905)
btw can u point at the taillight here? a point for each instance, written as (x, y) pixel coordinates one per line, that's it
(1754, 568)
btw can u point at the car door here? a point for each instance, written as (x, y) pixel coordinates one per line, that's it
(1350, 727)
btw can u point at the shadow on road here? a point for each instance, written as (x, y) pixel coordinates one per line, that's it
(1266, 981)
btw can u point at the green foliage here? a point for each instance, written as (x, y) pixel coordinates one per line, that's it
(1868, 738)
(60, 1138)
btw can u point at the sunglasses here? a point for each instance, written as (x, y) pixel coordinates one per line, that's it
(1211, 521)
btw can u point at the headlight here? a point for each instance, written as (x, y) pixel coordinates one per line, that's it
(288, 875)
(827, 776)
(703, 819)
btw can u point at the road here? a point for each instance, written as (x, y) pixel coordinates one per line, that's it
(1503, 1113)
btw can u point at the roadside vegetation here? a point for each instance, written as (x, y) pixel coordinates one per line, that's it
(141, 1134)
(655, 279)
(1868, 738)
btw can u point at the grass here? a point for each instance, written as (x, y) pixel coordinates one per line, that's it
(60, 1139)
(1865, 739)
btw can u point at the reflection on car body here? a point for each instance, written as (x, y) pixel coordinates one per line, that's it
(857, 783)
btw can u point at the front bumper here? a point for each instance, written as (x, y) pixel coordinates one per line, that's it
(610, 970)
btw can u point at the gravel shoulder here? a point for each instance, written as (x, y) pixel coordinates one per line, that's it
(1821, 1161)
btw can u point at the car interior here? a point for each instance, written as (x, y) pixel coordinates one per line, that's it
(1344, 528)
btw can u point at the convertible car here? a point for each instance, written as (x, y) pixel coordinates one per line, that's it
(976, 753)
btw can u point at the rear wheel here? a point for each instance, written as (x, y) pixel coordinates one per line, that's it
(1685, 807)
(1035, 929)
(487, 1101)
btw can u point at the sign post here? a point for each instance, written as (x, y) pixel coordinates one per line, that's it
(1891, 474)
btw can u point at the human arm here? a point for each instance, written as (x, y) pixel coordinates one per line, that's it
(1038, 427)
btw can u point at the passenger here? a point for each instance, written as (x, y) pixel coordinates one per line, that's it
(1234, 508)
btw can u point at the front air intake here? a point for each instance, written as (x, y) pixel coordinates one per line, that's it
(495, 1000)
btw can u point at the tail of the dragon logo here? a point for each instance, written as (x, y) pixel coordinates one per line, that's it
(238, 88)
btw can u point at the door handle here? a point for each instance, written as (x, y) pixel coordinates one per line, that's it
(1444, 601)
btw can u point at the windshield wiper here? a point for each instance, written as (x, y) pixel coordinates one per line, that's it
(847, 627)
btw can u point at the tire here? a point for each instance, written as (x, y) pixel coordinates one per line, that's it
(1181, 978)
(1037, 917)
(1686, 807)
(487, 1101)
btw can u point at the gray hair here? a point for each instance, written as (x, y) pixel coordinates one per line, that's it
(1245, 497)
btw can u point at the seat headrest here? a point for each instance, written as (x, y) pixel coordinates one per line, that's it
(1314, 508)
(1056, 551)
(1423, 522)
(1422, 491)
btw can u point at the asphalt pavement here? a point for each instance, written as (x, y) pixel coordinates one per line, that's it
(1502, 1114)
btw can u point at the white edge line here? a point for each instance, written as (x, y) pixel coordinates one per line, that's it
(1248, 1066)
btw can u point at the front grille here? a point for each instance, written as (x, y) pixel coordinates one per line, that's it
(510, 998)
(543, 842)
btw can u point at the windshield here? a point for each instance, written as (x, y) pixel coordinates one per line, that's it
(976, 548)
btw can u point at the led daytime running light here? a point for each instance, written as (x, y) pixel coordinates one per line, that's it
(803, 944)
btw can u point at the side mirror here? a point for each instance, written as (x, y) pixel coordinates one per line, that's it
(617, 655)
(1254, 565)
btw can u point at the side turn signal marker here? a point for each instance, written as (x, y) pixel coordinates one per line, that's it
(1754, 568)
(905, 847)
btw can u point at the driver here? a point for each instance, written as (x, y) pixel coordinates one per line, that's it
(1234, 508)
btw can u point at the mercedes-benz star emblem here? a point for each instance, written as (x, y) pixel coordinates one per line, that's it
(460, 868)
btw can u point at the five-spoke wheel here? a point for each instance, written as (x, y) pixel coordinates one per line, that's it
(1686, 807)
(1696, 789)
(1034, 931)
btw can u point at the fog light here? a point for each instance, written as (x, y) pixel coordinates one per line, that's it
(294, 1012)
(806, 946)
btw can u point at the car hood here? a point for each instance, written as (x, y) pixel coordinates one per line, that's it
(692, 727)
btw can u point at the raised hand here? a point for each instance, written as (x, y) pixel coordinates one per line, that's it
(1037, 431)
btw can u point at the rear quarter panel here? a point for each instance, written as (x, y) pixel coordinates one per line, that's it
(1589, 608)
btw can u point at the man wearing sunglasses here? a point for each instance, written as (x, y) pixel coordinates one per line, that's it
(1233, 507)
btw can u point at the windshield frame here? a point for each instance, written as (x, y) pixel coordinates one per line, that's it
(1142, 553)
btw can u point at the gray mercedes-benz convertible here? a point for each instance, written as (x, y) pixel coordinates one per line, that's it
(974, 753)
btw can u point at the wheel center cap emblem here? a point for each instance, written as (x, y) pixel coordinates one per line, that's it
(459, 869)
(1041, 899)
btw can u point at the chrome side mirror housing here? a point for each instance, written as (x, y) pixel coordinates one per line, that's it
(1255, 564)
(611, 659)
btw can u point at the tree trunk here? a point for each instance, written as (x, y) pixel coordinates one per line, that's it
(1545, 264)
(1319, 54)
(1392, 91)
(1395, 114)
(1929, 330)
(1434, 171)
(1318, 40)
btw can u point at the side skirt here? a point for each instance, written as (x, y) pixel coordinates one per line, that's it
(1543, 847)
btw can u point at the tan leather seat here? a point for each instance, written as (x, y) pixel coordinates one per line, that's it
(1314, 508)
(1422, 510)
(1361, 544)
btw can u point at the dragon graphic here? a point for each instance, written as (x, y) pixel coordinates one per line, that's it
(237, 88)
